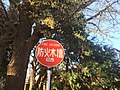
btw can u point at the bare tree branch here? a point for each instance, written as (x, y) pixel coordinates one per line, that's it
(100, 12)
(81, 7)
(94, 25)
(2, 4)
(34, 38)
(97, 28)
(109, 11)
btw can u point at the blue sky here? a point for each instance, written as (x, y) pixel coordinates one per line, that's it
(116, 43)
(108, 23)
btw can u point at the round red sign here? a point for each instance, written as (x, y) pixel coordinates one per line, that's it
(49, 53)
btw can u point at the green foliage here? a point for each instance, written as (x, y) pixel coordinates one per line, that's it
(91, 74)
(86, 65)
(66, 81)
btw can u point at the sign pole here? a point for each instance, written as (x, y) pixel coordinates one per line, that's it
(48, 83)
(49, 53)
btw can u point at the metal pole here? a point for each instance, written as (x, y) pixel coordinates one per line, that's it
(48, 79)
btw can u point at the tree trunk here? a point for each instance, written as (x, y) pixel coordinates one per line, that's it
(23, 43)
(26, 86)
(1, 54)
(16, 69)
(32, 79)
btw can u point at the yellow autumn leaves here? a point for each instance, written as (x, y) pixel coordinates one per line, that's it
(49, 21)
(79, 36)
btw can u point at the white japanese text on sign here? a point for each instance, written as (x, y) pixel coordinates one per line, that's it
(46, 52)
